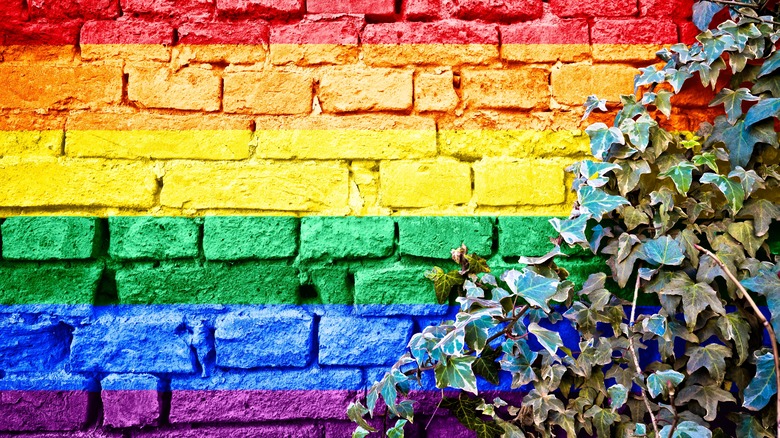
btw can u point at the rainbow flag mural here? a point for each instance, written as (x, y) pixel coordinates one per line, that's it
(219, 213)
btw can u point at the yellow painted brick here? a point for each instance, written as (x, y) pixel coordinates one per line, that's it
(304, 186)
(27, 53)
(268, 92)
(573, 83)
(435, 92)
(191, 88)
(538, 53)
(472, 144)
(88, 183)
(346, 137)
(314, 54)
(399, 55)
(29, 134)
(511, 181)
(364, 189)
(626, 52)
(143, 135)
(424, 183)
(349, 89)
(523, 88)
(130, 52)
(42, 86)
(219, 53)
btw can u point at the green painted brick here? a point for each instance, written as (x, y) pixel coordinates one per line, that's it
(524, 236)
(188, 282)
(332, 284)
(154, 238)
(241, 238)
(436, 236)
(394, 285)
(50, 238)
(581, 268)
(333, 238)
(34, 283)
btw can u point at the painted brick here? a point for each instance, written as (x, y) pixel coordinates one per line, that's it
(64, 9)
(593, 8)
(48, 238)
(268, 92)
(573, 83)
(76, 183)
(331, 284)
(13, 10)
(230, 42)
(131, 400)
(449, 427)
(527, 236)
(346, 237)
(255, 186)
(137, 40)
(372, 8)
(497, 11)
(267, 380)
(258, 431)
(191, 283)
(177, 9)
(547, 40)
(679, 10)
(688, 33)
(435, 92)
(316, 42)
(524, 88)
(435, 236)
(542, 182)
(157, 238)
(52, 408)
(422, 9)
(32, 346)
(40, 40)
(356, 89)
(240, 237)
(277, 9)
(469, 142)
(132, 344)
(29, 134)
(581, 268)
(393, 285)
(269, 338)
(31, 283)
(190, 88)
(424, 183)
(362, 341)
(38, 86)
(639, 38)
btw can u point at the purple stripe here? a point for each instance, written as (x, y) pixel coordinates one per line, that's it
(45, 410)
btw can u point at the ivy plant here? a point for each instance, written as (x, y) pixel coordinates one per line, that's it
(682, 220)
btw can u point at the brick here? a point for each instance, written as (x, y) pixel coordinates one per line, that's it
(357, 89)
(364, 136)
(435, 236)
(242, 237)
(60, 402)
(285, 382)
(424, 183)
(581, 268)
(38, 86)
(89, 183)
(331, 283)
(29, 134)
(593, 8)
(435, 92)
(272, 9)
(688, 33)
(256, 431)
(156, 238)
(40, 345)
(268, 92)
(49, 238)
(211, 283)
(126, 39)
(573, 83)
(190, 88)
(497, 10)
(393, 285)
(37, 33)
(546, 40)
(542, 182)
(307, 186)
(13, 10)
(362, 341)
(131, 400)
(524, 88)
(175, 9)
(64, 9)
(524, 236)
(158, 136)
(268, 338)
(631, 40)
(371, 8)
(138, 344)
(679, 10)
(449, 427)
(346, 237)
(422, 9)
(471, 144)
(312, 42)
(231, 42)
(75, 283)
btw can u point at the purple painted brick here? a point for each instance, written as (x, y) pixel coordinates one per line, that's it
(301, 430)
(131, 400)
(362, 341)
(44, 410)
(449, 427)
(91, 433)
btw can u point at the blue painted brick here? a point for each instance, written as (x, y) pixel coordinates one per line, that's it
(149, 344)
(334, 238)
(362, 341)
(242, 237)
(32, 346)
(49, 238)
(314, 378)
(267, 338)
(55, 381)
(156, 238)
(131, 382)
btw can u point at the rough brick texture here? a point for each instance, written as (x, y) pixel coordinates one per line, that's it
(131, 400)
(153, 238)
(49, 238)
(355, 341)
(341, 238)
(237, 238)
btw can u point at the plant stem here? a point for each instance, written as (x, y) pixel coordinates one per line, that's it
(736, 4)
(676, 417)
(653, 421)
(507, 331)
(760, 316)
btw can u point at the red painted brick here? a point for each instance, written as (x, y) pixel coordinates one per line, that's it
(633, 31)
(234, 32)
(342, 31)
(374, 8)
(41, 33)
(180, 9)
(497, 10)
(270, 9)
(61, 9)
(549, 30)
(422, 10)
(688, 33)
(678, 10)
(13, 10)
(126, 32)
(439, 32)
(593, 8)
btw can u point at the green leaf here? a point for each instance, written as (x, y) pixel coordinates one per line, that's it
(749, 427)
(477, 265)
(763, 386)
(733, 191)
(677, 78)
(602, 419)
(663, 251)
(686, 429)
(593, 103)
(749, 179)
(486, 366)
(465, 410)
(706, 159)
(535, 289)
(744, 233)
(602, 138)
(765, 109)
(361, 432)
(732, 101)
(572, 230)
(714, 46)
(682, 175)
(638, 131)
(663, 102)
(618, 396)
(357, 412)
(712, 357)
(444, 282)
(767, 83)
(770, 64)
(549, 339)
(517, 360)
(397, 431)
(763, 212)
(649, 75)
(737, 330)
(703, 12)
(596, 202)
(629, 175)
(658, 381)
(542, 404)
(707, 397)
(456, 372)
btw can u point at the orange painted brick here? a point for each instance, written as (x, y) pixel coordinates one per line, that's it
(357, 89)
(268, 92)
(573, 83)
(435, 92)
(523, 88)
(535, 182)
(190, 88)
(424, 183)
(27, 134)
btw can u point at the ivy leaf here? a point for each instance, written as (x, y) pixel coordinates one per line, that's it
(477, 265)
(658, 381)
(763, 386)
(706, 159)
(549, 339)
(444, 282)
(534, 288)
(677, 78)
(733, 191)
(763, 110)
(465, 410)
(663, 102)
(649, 75)
(682, 175)
(712, 357)
(361, 432)
(714, 46)
(708, 397)
(686, 429)
(737, 330)
(357, 412)
(542, 403)
(602, 419)
(767, 283)
(593, 103)
(744, 233)
(663, 251)
(770, 64)
(397, 431)
(595, 172)
(456, 372)
(767, 83)
(763, 212)
(732, 101)
(629, 174)
(749, 179)
(602, 138)
(486, 367)
(703, 12)
(596, 202)
(655, 324)
(638, 131)
(618, 395)
(572, 230)
(749, 427)
(517, 360)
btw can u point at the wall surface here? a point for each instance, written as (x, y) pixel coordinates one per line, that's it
(219, 213)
